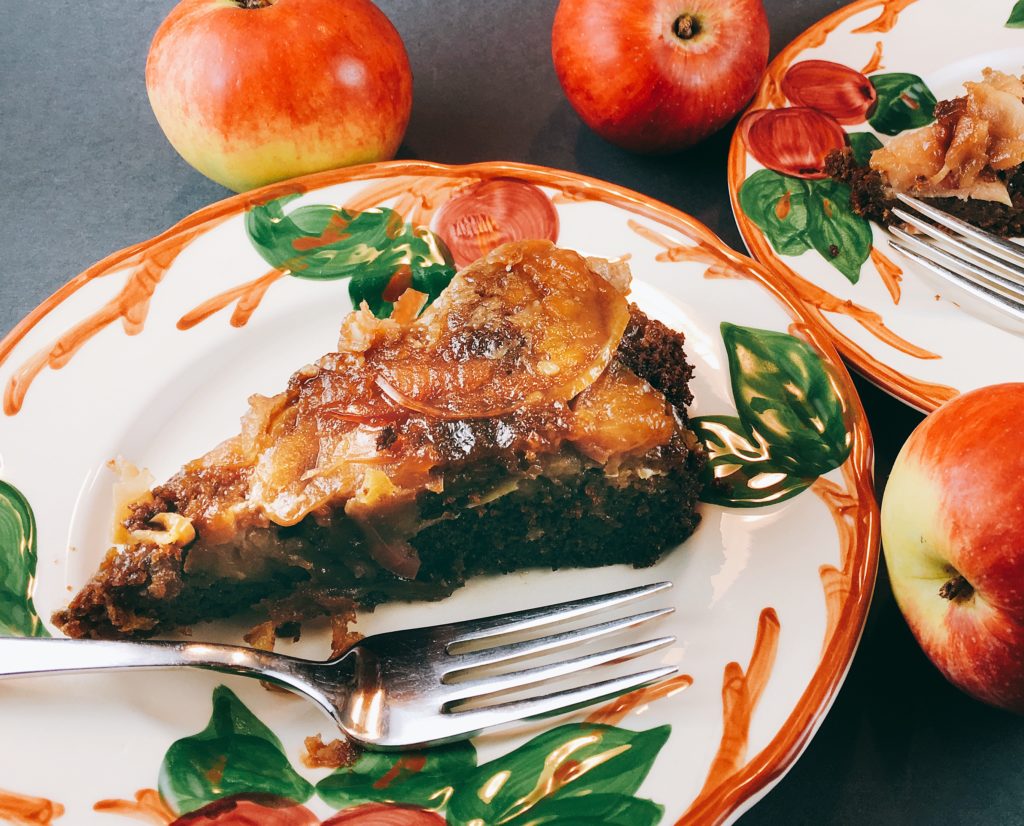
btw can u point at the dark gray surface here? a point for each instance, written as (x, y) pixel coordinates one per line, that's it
(85, 170)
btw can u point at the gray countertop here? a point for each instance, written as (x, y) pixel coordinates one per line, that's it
(85, 170)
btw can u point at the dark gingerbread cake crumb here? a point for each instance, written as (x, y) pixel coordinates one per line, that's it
(569, 514)
(870, 197)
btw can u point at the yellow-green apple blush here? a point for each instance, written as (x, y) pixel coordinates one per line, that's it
(255, 91)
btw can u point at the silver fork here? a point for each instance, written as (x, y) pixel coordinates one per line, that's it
(988, 267)
(403, 689)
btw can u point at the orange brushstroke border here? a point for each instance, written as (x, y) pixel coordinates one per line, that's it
(25, 810)
(615, 711)
(887, 18)
(875, 62)
(741, 692)
(769, 764)
(247, 297)
(147, 806)
(922, 394)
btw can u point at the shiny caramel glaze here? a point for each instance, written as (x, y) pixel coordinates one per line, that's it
(527, 366)
(339, 436)
(528, 325)
(972, 140)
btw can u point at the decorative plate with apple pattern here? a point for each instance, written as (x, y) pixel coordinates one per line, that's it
(863, 74)
(151, 354)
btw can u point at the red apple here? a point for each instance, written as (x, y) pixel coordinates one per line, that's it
(953, 532)
(255, 91)
(659, 75)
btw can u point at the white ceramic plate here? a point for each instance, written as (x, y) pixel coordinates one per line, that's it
(770, 598)
(916, 336)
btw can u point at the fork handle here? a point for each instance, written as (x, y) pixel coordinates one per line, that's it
(30, 656)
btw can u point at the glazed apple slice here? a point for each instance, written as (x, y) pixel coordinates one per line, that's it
(526, 326)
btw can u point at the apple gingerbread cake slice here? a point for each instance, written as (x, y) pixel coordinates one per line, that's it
(969, 162)
(530, 418)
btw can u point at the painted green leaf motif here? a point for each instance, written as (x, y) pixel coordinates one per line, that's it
(587, 810)
(424, 779)
(841, 236)
(904, 102)
(863, 144)
(234, 754)
(583, 760)
(741, 472)
(18, 615)
(1016, 19)
(373, 248)
(797, 215)
(372, 287)
(790, 426)
(778, 205)
(785, 394)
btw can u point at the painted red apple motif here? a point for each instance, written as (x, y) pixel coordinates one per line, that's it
(794, 141)
(953, 530)
(271, 810)
(250, 810)
(490, 213)
(831, 88)
(384, 814)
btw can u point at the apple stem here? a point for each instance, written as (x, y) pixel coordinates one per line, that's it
(956, 588)
(686, 26)
(253, 4)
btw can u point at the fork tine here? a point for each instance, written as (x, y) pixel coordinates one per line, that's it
(530, 676)
(997, 300)
(477, 719)
(985, 279)
(1010, 271)
(986, 239)
(526, 648)
(546, 615)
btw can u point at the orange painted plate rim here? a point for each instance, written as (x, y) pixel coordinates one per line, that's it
(920, 394)
(767, 767)
(736, 169)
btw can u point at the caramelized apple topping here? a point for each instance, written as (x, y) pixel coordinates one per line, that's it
(973, 138)
(362, 330)
(620, 413)
(515, 359)
(171, 529)
(334, 754)
(528, 325)
(131, 488)
(321, 446)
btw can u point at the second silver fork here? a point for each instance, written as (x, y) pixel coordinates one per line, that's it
(989, 268)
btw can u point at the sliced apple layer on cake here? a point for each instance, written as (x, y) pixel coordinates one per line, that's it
(530, 418)
(969, 161)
